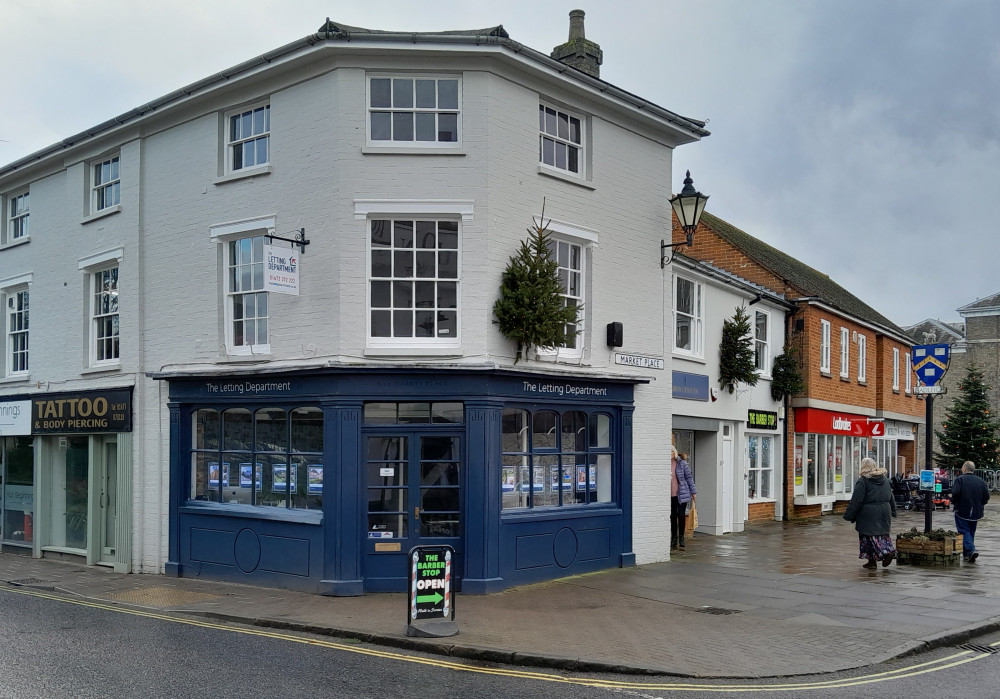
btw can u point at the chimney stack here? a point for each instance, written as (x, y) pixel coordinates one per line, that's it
(578, 51)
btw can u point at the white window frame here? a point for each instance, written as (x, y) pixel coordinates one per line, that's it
(862, 358)
(224, 234)
(17, 210)
(91, 267)
(909, 374)
(232, 141)
(824, 346)
(760, 469)
(895, 369)
(549, 132)
(762, 346)
(845, 353)
(585, 239)
(105, 187)
(10, 290)
(367, 210)
(696, 316)
(437, 111)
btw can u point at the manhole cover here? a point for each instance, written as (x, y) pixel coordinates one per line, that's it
(26, 581)
(716, 610)
(160, 597)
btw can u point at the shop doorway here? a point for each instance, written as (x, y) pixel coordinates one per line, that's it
(107, 505)
(728, 480)
(414, 497)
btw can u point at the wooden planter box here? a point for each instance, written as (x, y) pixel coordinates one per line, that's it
(946, 552)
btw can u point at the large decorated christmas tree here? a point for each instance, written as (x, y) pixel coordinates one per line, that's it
(970, 429)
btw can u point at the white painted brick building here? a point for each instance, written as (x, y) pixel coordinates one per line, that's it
(344, 165)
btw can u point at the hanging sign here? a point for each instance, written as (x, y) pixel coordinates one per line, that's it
(281, 270)
(762, 419)
(930, 362)
(431, 610)
(15, 418)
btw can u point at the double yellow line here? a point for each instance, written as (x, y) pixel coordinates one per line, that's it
(954, 660)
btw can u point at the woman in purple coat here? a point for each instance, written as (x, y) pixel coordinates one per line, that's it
(682, 491)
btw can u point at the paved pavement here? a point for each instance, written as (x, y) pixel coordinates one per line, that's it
(779, 599)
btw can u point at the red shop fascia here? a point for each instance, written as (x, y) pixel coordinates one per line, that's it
(817, 421)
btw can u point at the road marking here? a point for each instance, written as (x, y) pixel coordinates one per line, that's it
(937, 665)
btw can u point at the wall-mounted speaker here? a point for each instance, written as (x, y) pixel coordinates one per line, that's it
(615, 334)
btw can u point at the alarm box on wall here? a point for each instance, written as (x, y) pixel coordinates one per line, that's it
(614, 334)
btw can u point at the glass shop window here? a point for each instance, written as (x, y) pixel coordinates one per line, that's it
(267, 457)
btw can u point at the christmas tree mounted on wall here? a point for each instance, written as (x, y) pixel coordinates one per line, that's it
(531, 309)
(970, 429)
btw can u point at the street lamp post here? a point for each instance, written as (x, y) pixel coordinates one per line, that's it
(688, 207)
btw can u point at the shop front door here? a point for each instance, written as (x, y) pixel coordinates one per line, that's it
(414, 497)
(108, 502)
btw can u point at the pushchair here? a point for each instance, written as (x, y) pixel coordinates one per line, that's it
(903, 493)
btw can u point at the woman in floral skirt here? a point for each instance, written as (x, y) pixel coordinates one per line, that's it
(871, 508)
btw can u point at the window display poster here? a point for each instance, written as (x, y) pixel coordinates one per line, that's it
(798, 464)
(213, 474)
(567, 478)
(840, 464)
(315, 478)
(538, 481)
(279, 478)
(581, 478)
(246, 475)
(507, 483)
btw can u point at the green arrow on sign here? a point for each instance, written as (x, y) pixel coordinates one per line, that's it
(433, 599)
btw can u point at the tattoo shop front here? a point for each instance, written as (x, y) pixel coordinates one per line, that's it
(324, 480)
(67, 476)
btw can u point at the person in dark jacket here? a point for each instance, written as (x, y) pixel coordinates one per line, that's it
(682, 491)
(871, 509)
(969, 493)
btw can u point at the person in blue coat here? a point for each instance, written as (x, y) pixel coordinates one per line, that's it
(969, 495)
(682, 491)
(871, 509)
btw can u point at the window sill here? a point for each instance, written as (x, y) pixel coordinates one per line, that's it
(413, 351)
(102, 213)
(845, 379)
(16, 378)
(279, 514)
(102, 368)
(371, 149)
(512, 516)
(14, 243)
(761, 501)
(827, 374)
(815, 499)
(243, 174)
(560, 175)
(261, 353)
(689, 357)
(862, 382)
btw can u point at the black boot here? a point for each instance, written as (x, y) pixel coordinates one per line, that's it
(673, 541)
(680, 540)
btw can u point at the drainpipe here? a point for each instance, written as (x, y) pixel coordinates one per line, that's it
(786, 401)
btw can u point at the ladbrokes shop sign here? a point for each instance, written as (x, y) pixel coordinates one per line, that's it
(84, 412)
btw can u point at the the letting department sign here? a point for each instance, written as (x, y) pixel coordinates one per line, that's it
(83, 412)
(15, 418)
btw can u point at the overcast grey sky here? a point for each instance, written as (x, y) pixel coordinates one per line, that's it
(860, 136)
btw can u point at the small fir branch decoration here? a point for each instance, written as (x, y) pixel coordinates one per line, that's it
(531, 309)
(736, 352)
(786, 379)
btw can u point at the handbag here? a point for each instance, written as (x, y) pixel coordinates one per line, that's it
(694, 516)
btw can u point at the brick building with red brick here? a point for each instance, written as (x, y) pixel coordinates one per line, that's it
(857, 398)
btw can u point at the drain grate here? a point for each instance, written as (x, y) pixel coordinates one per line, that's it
(988, 650)
(717, 610)
(25, 581)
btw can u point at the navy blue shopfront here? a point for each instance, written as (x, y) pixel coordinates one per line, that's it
(324, 480)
